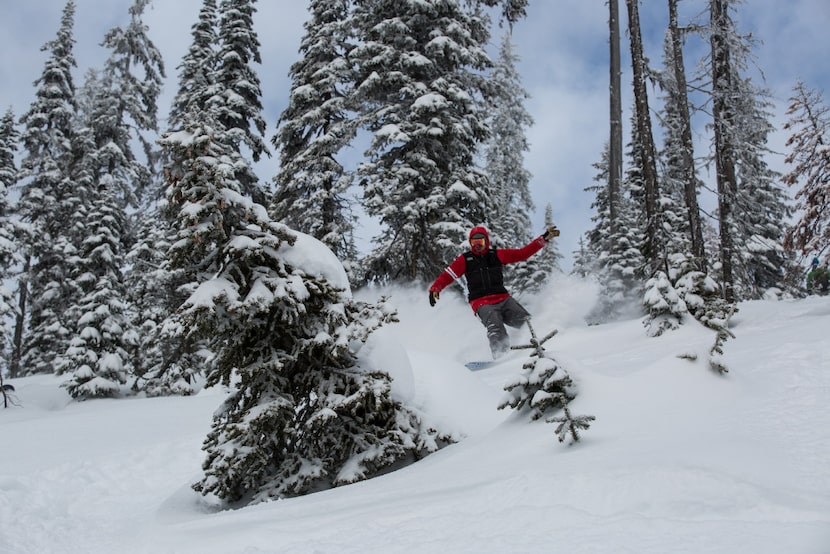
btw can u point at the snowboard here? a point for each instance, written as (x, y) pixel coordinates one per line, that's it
(483, 364)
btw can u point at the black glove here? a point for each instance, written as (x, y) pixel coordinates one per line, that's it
(433, 297)
(550, 232)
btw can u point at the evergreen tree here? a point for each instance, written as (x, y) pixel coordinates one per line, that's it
(313, 129)
(511, 203)
(809, 155)
(721, 35)
(97, 357)
(301, 415)
(653, 250)
(10, 232)
(46, 201)
(681, 162)
(751, 206)
(419, 85)
(619, 264)
(197, 68)
(237, 92)
(762, 264)
(115, 107)
(127, 105)
(166, 361)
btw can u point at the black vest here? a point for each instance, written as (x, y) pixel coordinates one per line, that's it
(484, 274)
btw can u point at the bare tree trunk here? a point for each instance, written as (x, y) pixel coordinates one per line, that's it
(687, 153)
(654, 253)
(615, 154)
(724, 149)
(20, 321)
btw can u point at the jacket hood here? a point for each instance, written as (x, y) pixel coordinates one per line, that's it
(483, 231)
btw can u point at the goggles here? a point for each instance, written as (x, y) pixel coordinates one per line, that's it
(478, 240)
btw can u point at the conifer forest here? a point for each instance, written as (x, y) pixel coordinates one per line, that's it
(150, 258)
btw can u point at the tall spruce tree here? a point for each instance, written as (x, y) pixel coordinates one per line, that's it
(165, 360)
(311, 187)
(301, 415)
(721, 30)
(419, 85)
(197, 68)
(762, 265)
(95, 359)
(46, 201)
(510, 200)
(127, 107)
(655, 242)
(751, 206)
(116, 106)
(612, 254)
(10, 234)
(237, 91)
(680, 162)
(809, 154)
(615, 140)
(510, 204)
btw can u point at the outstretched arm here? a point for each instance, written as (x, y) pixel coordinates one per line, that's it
(454, 271)
(513, 255)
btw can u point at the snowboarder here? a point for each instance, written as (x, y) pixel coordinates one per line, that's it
(488, 297)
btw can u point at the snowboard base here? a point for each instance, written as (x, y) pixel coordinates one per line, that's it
(483, 364)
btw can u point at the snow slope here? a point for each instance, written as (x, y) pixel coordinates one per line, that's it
(679, 459)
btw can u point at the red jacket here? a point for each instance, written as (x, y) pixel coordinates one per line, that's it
(506, 256)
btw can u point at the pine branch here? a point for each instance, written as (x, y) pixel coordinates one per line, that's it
(570, 424)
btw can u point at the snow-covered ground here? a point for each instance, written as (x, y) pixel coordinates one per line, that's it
(679, 459)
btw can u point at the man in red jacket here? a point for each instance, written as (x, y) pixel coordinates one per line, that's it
(482, 265)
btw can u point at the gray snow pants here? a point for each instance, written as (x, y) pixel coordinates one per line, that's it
(495, 316)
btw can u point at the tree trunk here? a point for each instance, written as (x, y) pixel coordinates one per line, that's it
(615, 154)
(724, 149)
(687, 153)
(653, 253)
(20, 321)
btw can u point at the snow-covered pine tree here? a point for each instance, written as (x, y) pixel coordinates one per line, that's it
(165, 361)
(762, 266)
(809, 156)
(654, 248)
(510, 200)
(419, 83)
(510, 204)
(237, 92)
(132, 77)
(617, 261)
(275, 307)
(544, 386)
(10, 232)
(115, 107)
(96, 358)
(722, 38)
(45, 201)
(197, 68)
(664, 306)
(311, 187)
(752, 206)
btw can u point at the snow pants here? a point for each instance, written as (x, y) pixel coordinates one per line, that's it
(495, 316)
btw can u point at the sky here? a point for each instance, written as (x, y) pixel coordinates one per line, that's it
(563, 47)
(679, 459)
